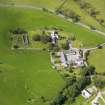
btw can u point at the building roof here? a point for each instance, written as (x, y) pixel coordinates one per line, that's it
(86, 93)
(54, 36)
(73, 56)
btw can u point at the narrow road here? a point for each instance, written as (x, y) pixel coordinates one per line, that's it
(94, 48)
(20, 6)
(50, 10)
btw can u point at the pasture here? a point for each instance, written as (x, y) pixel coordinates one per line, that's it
(27, 76)
(70, 5)
(96, 58)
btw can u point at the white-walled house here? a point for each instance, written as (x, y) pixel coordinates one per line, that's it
(73, 57)
(54, 37)
(86, 94)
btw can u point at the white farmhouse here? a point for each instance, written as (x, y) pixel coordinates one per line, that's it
(86, 94)
(54, 37)
(73, 57)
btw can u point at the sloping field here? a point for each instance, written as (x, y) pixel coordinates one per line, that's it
(26, 76)
(52, 4)
(70, 5)
(100, 6)
(35, 19)
(96, 58)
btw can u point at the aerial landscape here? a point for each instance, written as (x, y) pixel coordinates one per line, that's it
(52, 52)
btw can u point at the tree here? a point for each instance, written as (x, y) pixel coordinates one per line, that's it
(86, 71)
(77, 18)
(15, 46)
(75, 86)
(94, 12)
(18, 31)
(72, 37)
(36, 38)
(60, 11)
(45, 9)
(99, 46)
(56, 48)
(43, 99)
(73, 91)
(43, 38)
(92, 27)
(67, 45)
(70, 81)
(83, 82)
(101, 21)
(99, 82)
(64, 46)
(59, 100)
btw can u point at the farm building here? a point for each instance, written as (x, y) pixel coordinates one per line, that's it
(54, 37)
(86, 93)
(73, 57)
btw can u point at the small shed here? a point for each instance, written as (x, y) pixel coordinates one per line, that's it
(86, 94)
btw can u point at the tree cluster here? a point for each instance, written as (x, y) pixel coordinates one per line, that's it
(42, 38)
(99, 82)
(18, 31)
(59, 100)
(73, 88)
(54, 47)
(88, 71)
(69, 14)
(91, 11)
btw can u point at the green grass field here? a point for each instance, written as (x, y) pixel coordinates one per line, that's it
(26, 75)
(69, 5)
(100, 5)
(96, 58)
(34, 19)
(52, 4)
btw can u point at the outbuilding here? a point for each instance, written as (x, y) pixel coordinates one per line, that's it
(54, 37)
(86, 94)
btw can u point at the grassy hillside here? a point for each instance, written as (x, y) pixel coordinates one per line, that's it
(26, 75)
(52, 4)
(72, 5)
(34, 19)
(96, 59)
(100, 6)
